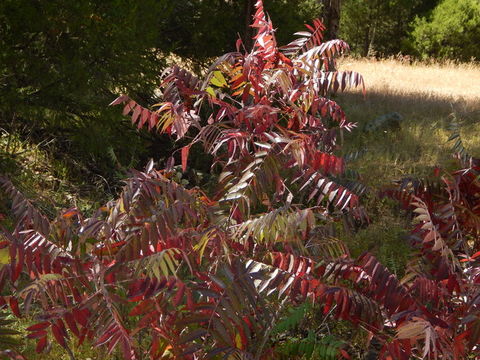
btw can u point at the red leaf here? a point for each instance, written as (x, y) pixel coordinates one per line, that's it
(37, 334)
(69, 213)
(190, 303)
(304, 288)
(119, 100)
(14, 306)
(41, 344)
(129, 107)
(136, 114)
(141, 308)
(19, 267)
(39, 326)
(152, 121)
(179, 295)
(83, 335)
(58, 334)
(185, 151)
(477, 254)
(145, 116)
(238, 44)
(71, 323)
(81, 317)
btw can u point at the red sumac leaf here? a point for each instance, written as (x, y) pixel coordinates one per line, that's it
(145, 116)
(141, 308)
(304, 288)
(179, 295)
(39, 326)
(41, 344)
(185, 151)
(193, 335)
(190, 303)
(152, 121)
(14, 306)
(69, 319)
(477, 254)
(69, 213)
(58, 334)
(19, 266)
(113, 341)
(238, 44)
(129, 107)
(136, 113)
(119, 100)
(81, 317)
(83, 335)
(38, 334)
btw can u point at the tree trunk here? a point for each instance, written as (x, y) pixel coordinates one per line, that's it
(366, 41)
(331, 18)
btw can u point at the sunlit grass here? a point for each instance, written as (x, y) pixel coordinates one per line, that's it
(438, 80)
(426, 96)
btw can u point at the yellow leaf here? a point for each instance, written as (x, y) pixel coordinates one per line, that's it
(164, 267)
(238, 341)
(122, 207)
(202, 244)
(210, 91)
(4, 256)
(218, 79)
(171, 262)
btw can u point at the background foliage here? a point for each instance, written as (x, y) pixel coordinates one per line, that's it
(452, 31)
(381, 28)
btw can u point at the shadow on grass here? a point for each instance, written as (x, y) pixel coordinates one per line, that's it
(412, 106)
(421, 142)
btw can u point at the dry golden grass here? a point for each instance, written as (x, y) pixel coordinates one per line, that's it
(449, 81)
(426, 96)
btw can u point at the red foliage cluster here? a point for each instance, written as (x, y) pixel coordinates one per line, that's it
(168, 272)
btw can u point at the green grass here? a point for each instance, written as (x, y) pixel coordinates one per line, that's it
(48, 181)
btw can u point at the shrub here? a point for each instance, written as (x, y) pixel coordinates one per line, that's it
(167, 271)
(452, 31)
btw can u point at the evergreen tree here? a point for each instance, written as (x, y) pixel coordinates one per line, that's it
(452, 31)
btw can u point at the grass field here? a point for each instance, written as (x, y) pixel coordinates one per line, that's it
(426, 96)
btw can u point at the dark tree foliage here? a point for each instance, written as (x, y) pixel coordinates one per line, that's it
(200, 30)
(60, 62)
(331, 14)
(452, 31)
(381, 27)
